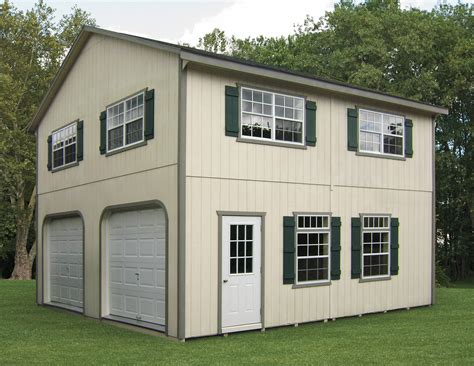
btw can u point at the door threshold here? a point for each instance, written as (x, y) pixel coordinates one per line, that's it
(138, 323)
(241, 328)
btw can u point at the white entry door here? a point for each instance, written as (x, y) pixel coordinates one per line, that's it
(66, 245)
(137, 265)
(241, 273)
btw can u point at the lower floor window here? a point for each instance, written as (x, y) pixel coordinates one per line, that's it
(375, 245)
(312, 242)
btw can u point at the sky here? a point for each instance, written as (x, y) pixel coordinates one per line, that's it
(185, 21)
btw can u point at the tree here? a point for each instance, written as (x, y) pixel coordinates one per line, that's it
(32, 47)
(424, 55)
(214, 41)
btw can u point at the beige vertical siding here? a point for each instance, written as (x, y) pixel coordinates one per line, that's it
(222, 174)
(108, 70)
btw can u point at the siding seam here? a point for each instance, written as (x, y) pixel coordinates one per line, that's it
(309, 184)
(105, 179)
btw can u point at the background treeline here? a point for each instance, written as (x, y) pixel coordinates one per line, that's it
(424, 55)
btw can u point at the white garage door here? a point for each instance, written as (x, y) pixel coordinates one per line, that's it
(66, 245)
(137, 272)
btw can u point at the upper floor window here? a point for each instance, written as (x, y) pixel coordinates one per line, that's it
(64, 146)
(381, 133)
(375, 246)
(125, 122)
(312, 248)
(272, 116)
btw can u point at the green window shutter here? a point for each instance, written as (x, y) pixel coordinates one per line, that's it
(394, 246)
(355, 247)
(50, 152)
(231, 111)
(80, 140)
(352, 130)
(149, 114)
(408, 138)
(310, 123)
(288, 249)
(335, 248)
(103, 132)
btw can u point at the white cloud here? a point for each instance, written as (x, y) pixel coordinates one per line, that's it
(423, 4)
(243, 18)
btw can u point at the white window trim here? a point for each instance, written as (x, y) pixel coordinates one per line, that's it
(63, 148)
(274, 118)
(382, 134)
(312, 230)
(362, 230)
(124, 137)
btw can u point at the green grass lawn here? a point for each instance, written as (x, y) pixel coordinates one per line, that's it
(443, 334)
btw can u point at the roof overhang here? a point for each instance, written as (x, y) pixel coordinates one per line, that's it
(309, 81)
(191, 55)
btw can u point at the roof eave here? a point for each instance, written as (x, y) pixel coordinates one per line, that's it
(197, 58)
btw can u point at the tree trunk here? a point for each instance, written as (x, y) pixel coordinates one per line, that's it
(32, 254)
(22, 269)
(23, 259)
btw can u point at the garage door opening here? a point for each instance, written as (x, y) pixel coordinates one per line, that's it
(136, 267)
(65, 268)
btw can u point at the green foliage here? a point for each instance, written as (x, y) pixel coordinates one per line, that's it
(32, 47)
(7, 236)
(441, 335)
(442, 279)
(214, 41)
(424, 55)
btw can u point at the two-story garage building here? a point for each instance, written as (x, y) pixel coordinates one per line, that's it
(198, 194)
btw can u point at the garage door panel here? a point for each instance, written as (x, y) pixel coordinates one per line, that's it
(64, 292)
(146, 277)
(75, 294)
(115, 275)
(65, 246)
(54, 291)
(116, 302)
(131, 247)
(147, 307)
(137, 264)
(116, 247)
(129, 275)
(160, 276)
(75, 270)
(131, 305)
(148, 248)
(160, 247)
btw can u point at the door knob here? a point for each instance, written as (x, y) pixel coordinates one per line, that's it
(225, 281)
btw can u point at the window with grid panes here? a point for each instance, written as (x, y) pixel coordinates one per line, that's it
(125, 122)
(312, 248)
(381, 133)
(241, 249)
(272, 116)
(375, 246)
(64, 146)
